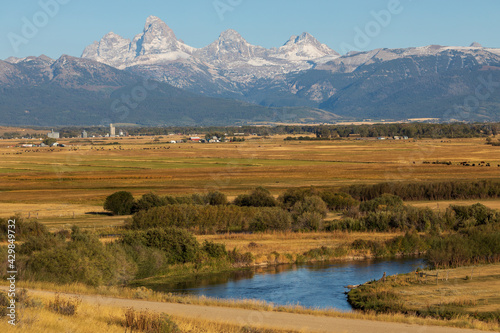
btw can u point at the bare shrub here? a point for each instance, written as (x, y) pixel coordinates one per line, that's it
(65, 306)
(144, 321)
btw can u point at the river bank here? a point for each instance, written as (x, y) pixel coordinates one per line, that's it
(465, 292)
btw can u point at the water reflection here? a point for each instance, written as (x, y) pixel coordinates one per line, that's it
(318, 285)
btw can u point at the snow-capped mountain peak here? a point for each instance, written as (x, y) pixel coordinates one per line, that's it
(157, 43)
(302, 48)
(229, 57)
(156, 28)
(304, 38)
(231, 34)
(153, 20)
(112, 36)
(112, 49)
(157, 38)
(230, 47)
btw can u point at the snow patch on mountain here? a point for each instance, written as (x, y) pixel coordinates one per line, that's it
(303, 48)
(354, 61)
(232, 66)
(230, 56)
(157, 43)
(228, 48)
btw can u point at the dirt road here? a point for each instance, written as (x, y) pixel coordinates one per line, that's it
(305, 323)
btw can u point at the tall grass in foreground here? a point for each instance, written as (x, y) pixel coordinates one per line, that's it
(91, 318)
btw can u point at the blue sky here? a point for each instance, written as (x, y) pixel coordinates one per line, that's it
(267, 23)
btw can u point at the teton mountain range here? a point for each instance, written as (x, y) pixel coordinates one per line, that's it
(232, 81)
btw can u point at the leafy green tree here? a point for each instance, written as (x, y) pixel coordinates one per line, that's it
(216, 198)
(338, 201)
(311, 204)
(271, 219)
(120, 203)
(83, 259)
(312, 221)
(23, 228)
(260, 197)
(214, 250)
(291, 196)
(323, 132)
(219, 135)
(179, 245)
(49, 141)
(384, 202)
(148, 201)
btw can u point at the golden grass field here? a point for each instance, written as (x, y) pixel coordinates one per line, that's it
(55, 182)
(60, 186)
(480, 293)
(263, 244)
(90, 318)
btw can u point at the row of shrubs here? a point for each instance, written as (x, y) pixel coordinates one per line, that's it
(448, 190)
(259, 211)
(123, 202)
(304, 210)
(213, 219)
(480, 245)
(301, 210)
(394, 216)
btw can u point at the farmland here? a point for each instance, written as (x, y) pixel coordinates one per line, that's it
(82, 174)
(61, 187)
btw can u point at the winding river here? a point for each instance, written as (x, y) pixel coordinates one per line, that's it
(319, 285)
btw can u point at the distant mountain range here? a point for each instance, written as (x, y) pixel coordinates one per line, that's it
(232, 81)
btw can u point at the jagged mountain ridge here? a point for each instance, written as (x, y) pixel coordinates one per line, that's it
(228, 66)
(158, 43)
(383, 83)
(303, 71)
(67, 72)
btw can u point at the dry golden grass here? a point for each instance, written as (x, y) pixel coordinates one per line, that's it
(481, 293)
(84, 174)
(209, 326)
(47, 210)
(91, 222)
(263, 244)
(90, 318)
